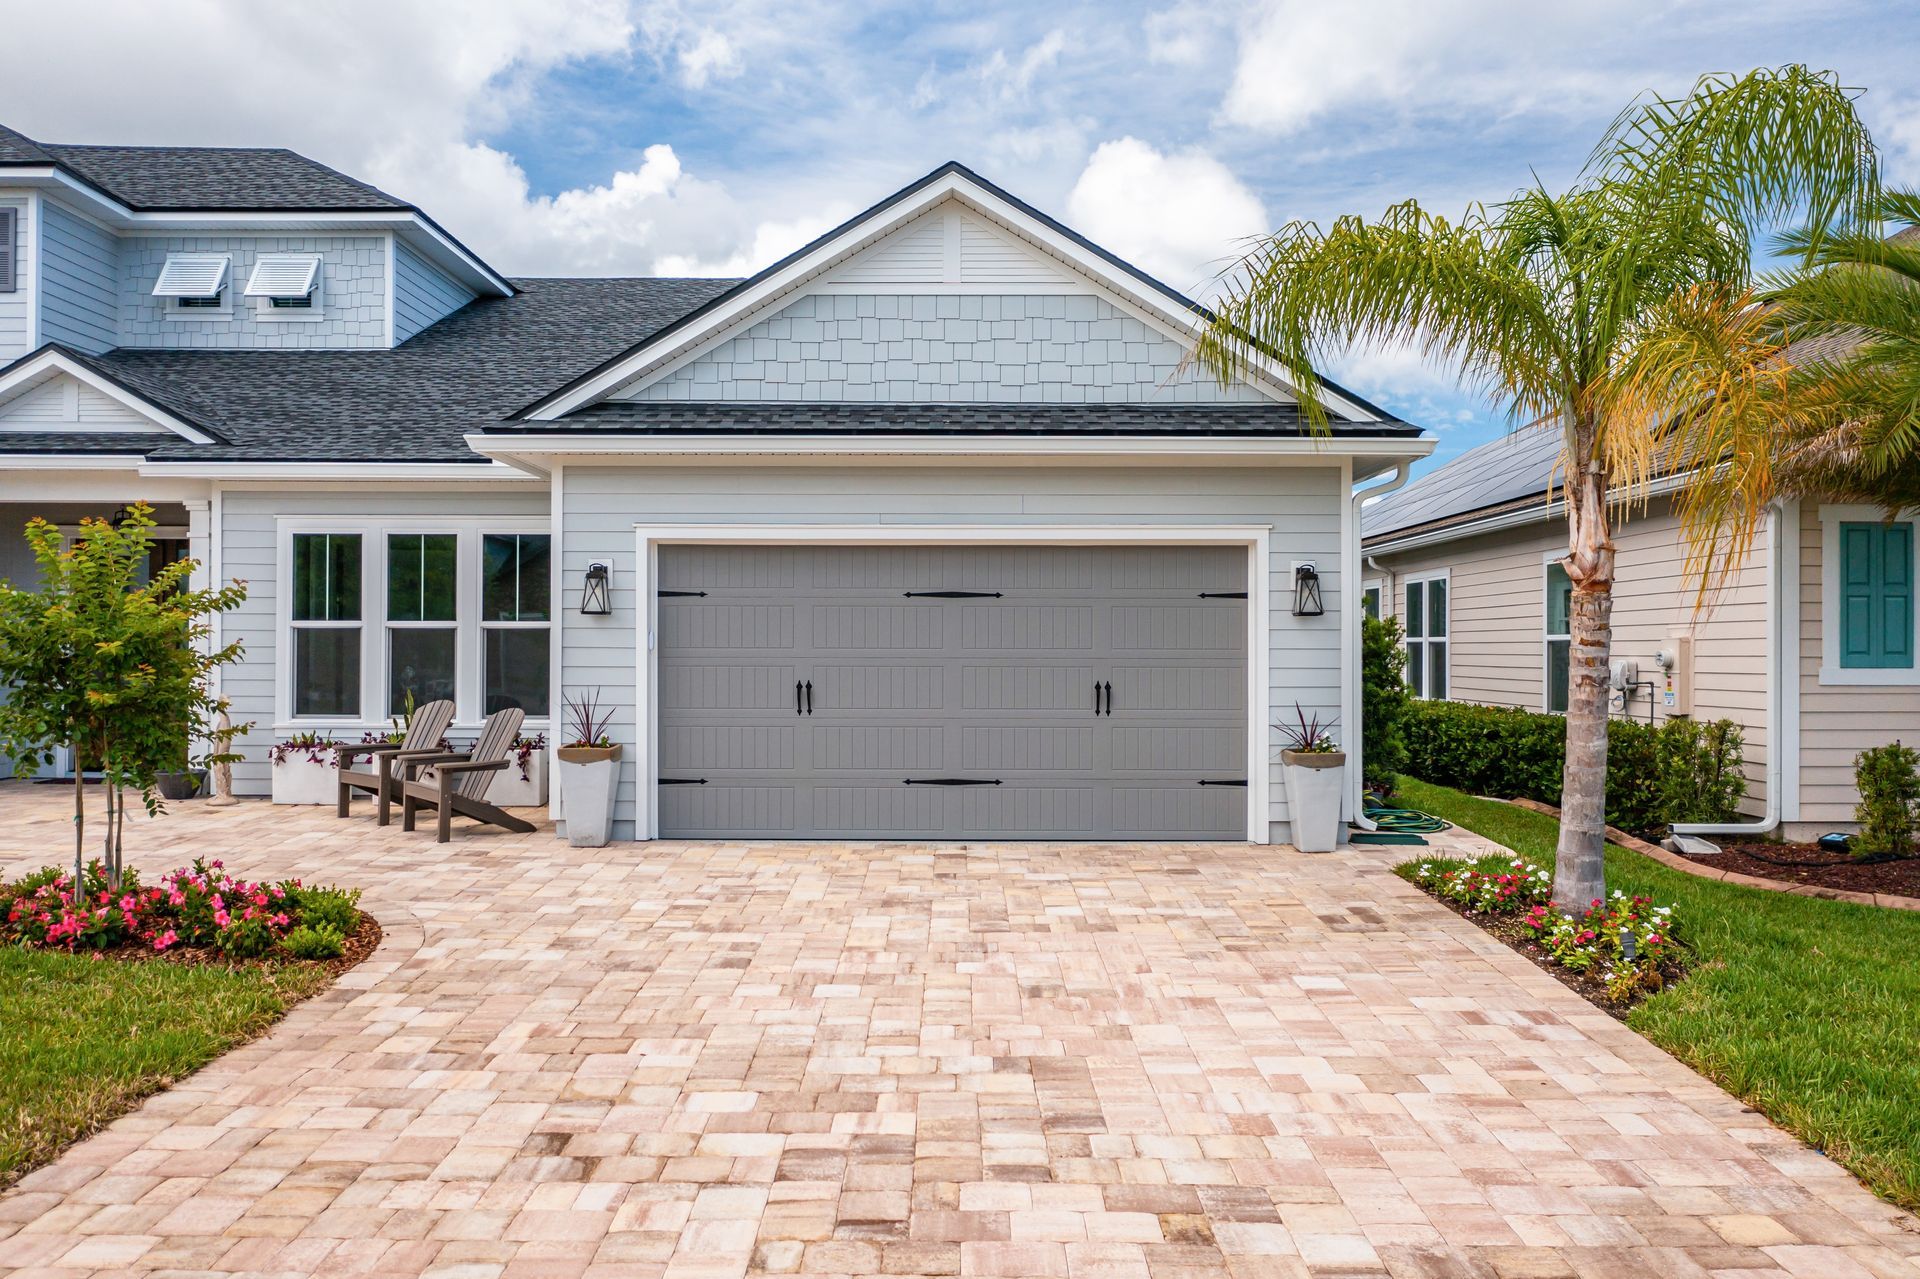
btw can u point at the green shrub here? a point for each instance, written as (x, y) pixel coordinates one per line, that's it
(1509, 753)
(1383, 701)
(1700, 770)
(335, 908)
(314, 941)
(1888, 778)
(245, 938)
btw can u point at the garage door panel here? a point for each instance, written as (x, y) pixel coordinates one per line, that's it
(741, 747)
(720, 808)
(868, 748)
(876, 628)
(880, 809)
(1180, 812)
(1176, 570)
(1181, 628)
(1187, 689)
(727, 569)
(688, 684)
(872, 687)
(1010, 686)
(1016, 629)
(1160, 751)
(1013, 749)
(1033, 810)
(700, 627)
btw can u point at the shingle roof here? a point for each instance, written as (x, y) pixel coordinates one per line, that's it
(689, 418)
(413, 403)
(175, 179)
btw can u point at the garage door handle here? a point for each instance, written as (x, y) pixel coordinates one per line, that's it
(1109, 687)
(796, 698)
(1096, 697)
(683, 781)
(952, 781)
(809, 697)
(1223, 595)
(1226, 782)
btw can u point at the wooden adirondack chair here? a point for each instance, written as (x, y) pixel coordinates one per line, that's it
(429, 725)
(457, 783)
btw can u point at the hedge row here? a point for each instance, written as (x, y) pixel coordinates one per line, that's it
(1492, 750)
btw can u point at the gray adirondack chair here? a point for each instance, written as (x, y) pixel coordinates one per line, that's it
(381, 777)
(458, 782)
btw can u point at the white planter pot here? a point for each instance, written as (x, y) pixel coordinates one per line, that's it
(1316, 783)
(589, 780)
(510, 790)
(298, 780)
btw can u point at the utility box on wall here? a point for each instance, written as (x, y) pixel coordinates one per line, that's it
(1676, 679)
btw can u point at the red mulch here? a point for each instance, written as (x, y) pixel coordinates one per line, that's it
(1834, 870)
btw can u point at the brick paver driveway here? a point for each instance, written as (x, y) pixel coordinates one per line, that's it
(715, 1059)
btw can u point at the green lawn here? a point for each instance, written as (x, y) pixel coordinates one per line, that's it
(83, 1040)
(1809, 1010)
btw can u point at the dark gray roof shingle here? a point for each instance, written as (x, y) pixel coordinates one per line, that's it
(414, 403)
(698, 418)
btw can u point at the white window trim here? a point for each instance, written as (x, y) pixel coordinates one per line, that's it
(265, 312)
(1420, 579)
(172, 309)
(1831, 672)
(469, 695)
(1547, 560)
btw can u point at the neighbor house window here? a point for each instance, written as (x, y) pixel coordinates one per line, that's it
(1426, 637)
(1876, 595)
(287, 286)
(515, 612)
(1370, 600)
(423, 634)
(326, 624)
(194, 285)
(1559, 636)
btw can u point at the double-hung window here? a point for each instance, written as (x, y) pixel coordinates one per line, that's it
(423, 633)
(1426, 637)
(326, 624)
(1559, 635)
(1370, 600)
(515, 603)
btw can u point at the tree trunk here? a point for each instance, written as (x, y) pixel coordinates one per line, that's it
(1580, 872)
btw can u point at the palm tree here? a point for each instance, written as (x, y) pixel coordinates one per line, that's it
(1543, 302)
(1825, 366)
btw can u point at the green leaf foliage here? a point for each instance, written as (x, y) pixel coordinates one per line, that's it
(1888, 778)
(1383, 700)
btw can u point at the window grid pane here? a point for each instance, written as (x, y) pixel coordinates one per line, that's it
(1559, 599)
(1437, 670)
(326, 577)
(1416, 610)
(515, 577)
(420, 576)
(326, 671)
(1437, 609)
(1559, 652)
(517, 667)
(421, 661)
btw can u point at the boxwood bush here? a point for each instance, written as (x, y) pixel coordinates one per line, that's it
(1496, 750)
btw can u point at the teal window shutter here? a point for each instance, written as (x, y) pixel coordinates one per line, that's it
(1876, 596)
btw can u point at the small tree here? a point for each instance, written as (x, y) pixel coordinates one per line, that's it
(1888, 778)
(111, 669)
(1383, 701)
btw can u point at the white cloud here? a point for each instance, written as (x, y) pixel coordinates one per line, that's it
(771, 242)
(1181, 216)
(403, 112)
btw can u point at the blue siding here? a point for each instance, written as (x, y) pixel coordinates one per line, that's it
(80, 268)
(422, 295)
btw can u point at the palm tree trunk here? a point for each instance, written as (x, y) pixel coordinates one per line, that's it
(1580, 873)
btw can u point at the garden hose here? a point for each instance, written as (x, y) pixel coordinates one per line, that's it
(1406, 821)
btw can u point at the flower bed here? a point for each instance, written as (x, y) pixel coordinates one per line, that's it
(1616, 953)
(201, 911)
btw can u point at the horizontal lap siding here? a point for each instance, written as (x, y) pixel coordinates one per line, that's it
(80, 264)
(602, 506)
(1838, 722)
(1497, 594)
(422, 293)
(249, 553)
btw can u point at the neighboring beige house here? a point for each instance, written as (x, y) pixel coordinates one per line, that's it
(1810, 648)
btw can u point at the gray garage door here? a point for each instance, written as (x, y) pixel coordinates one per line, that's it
(942, 692)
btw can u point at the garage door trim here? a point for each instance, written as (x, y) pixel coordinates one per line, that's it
(649, 538)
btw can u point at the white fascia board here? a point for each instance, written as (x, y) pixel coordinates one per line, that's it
(1161, 448)
(430, 240)
(128, 462)
(1186, 324)
(328, 472)
(38, 368)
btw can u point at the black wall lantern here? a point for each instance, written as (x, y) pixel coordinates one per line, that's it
(597, 599)
(1306, 591)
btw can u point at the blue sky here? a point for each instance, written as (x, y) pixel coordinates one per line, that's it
(640, 136)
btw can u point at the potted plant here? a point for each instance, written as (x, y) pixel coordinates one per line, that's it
(1316, 771)
(589, 772)
(305, 770)
(523, 782)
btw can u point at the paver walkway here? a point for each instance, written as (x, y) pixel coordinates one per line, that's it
(715, 1059)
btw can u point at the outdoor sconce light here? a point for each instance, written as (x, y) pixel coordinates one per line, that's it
(597, 599)
(1306, 591)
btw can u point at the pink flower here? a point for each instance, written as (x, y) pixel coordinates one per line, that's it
(221, 918)
(165, 939)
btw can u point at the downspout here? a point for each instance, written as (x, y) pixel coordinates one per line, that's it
(1350, 632)
(1778, 593)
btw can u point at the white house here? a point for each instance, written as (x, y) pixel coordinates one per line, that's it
(928, 530)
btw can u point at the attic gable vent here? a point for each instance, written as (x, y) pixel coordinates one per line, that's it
(284, 275)
(192, 275)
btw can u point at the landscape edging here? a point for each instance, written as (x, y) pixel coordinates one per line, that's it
(1665, 857)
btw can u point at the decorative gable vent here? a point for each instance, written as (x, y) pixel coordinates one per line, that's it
(192, 275)
(284, 275)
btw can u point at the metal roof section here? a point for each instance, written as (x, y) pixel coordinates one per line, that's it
(1520, 464)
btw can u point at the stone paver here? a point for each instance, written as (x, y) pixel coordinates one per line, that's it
(1099, 1062)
